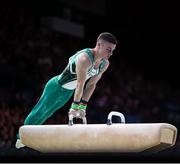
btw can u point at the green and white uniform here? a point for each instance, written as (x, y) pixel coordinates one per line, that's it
(67, 79)
(59, 89)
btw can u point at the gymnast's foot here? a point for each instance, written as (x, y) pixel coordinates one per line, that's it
(19, 144)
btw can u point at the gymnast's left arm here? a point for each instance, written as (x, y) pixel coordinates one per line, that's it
(89, 89)
(91, 85)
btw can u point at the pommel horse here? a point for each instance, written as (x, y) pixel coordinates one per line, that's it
(92, 138)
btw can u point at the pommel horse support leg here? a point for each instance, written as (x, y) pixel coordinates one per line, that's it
(90, 138)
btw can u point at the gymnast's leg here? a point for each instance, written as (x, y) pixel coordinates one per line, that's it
(53, 97)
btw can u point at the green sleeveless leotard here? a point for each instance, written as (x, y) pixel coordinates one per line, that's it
(68, 77)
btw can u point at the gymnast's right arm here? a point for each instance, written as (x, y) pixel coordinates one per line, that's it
(82, 66)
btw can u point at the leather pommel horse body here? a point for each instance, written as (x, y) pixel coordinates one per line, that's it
(90, 138)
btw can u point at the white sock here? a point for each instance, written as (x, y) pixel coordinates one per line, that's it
(19, 144)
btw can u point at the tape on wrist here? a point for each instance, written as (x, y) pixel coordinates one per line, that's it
(82, 106)
(75, 106)
(84, 101)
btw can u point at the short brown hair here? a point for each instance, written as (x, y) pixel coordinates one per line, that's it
(108, 37)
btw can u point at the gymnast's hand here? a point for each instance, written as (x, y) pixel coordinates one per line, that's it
(74, 113)
(78, 110)
(77, 113)
(82, 113)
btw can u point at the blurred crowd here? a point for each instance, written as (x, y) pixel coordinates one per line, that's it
(31, 53)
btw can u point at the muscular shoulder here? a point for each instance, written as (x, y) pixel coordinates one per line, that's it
(83, 60)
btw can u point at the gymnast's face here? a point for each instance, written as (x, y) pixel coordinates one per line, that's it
(106, 49)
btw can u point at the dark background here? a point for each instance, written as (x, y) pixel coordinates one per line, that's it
(31, 52)
(148, 32)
